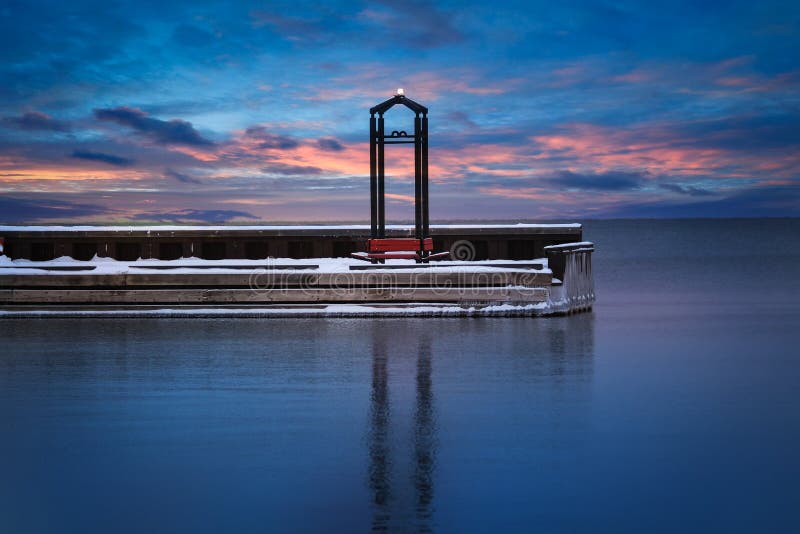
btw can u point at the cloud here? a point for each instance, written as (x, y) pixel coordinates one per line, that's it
(330, 144)
(416, 24)
(690, 190)
(183, 178)
(290, 170)
(105, 158)
(460, 118)
(517, 95)
(743, 133)
(668, 149)
(192, 215)
(171, 132)
(270, 140)
(606, 181)
(377, 82)
(413, 24)
(25, 210)
(400, 197)
(35, 121)
(757, 201)
(283, 184)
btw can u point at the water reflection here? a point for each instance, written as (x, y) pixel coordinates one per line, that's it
(547, 365)
(508, 407)
(379, 460)
(380, 428)
(424, 434)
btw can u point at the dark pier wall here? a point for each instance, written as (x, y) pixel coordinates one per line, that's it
(516, 242)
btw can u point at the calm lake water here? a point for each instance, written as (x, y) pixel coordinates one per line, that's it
(673, 407)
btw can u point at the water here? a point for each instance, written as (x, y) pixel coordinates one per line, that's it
(674, 406)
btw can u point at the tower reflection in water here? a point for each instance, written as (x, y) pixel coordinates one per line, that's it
(424, 436)
(523, 390)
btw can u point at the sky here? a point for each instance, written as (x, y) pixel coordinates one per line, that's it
(241, 112)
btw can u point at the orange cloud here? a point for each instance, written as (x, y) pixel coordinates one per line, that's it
(57, 172)
(403, 198)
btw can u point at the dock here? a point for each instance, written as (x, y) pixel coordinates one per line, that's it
(331, 286)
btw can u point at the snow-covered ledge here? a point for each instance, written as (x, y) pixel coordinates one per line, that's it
(571, 264)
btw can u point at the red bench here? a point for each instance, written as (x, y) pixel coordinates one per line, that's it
(399, 244)
(399, 248)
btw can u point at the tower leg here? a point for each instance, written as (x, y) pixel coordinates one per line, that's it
(381, 178)
(426, 230)
(417, 181)
(373, 178)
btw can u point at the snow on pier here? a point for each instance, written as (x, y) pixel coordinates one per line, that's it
(560, 283)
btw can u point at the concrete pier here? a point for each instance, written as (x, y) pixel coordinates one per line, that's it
(341, 287)
(446, 284)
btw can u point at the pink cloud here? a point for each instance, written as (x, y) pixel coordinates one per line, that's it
(379, 82)
(655, 148)
(635, 76)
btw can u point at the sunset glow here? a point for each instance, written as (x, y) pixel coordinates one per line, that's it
(140, 111)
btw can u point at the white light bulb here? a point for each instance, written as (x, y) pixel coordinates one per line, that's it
(399, 91)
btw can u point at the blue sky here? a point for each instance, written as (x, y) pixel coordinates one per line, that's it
(258, 111)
